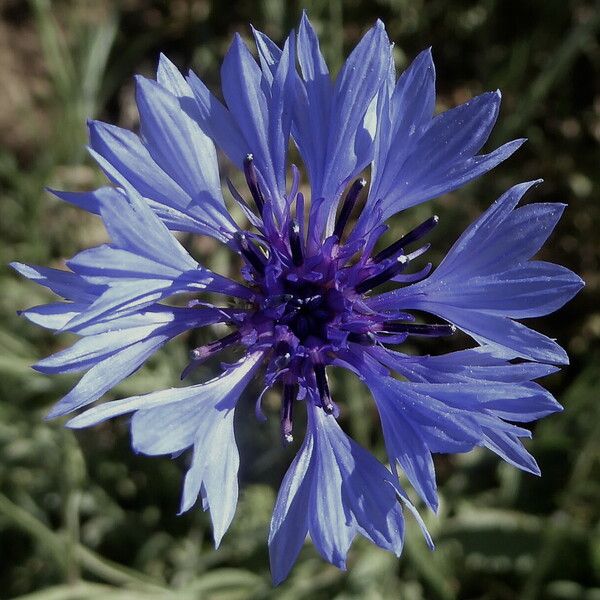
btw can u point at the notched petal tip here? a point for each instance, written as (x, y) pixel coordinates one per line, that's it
(58, 411)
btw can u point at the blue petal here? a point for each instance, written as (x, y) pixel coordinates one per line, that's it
(349, 494)
(53, 316)
(335, 490)
(147, 265)
(269, 54)
(349, 142)
(509, 448)
(221, 391)
(422, 157)
(485, 280)
(86, 200)
(127, 158)
(202, 415)
(475, 364)
(401, 121)
(532, 289)
(181, 149)
(116, 348)
(109, 337)
(169, 76)
(124, 150)
(218, 122)
(289, 523)
(404, 443)
(314, 113)
(503, 333)
(63, 283)
(214, 470)
(106, 374)
(262, 112)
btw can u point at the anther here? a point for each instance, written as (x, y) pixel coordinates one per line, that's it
(347, 206)
(276, 300)
(365, 339)
(437, 330)
(372, 282)
(287, 408)
(202, 353)
(252, 181)
(323, 387)
(296, 243)
(251, 253)
(412, 236)
(282, 361)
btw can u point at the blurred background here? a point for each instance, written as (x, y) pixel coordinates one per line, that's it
(82, 517)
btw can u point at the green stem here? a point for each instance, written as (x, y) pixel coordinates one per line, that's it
(86, 558)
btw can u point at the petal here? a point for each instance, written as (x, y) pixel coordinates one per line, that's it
(313, 114)
(503, 333)
(223, 391)
(332, 528)
(509, 448)
(218, 122)
(479, 364)
(248, 98)
(147, 264)
(53, 316)
(405, 445)
(123, 157)
(349, 141)
(63, 283)
(289, 523)
(182, 149)
(86, 200)
(214, 470)
(485, 280)
(112, 336)
(171, 420)
(355, 87)
(406, 113)
(106, 374)
(533, 289)
(353, 479)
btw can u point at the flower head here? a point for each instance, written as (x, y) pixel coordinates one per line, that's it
(309, 295)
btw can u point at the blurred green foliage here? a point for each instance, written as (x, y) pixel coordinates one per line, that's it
(82, 517)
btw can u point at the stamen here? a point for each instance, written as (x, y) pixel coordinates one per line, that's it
(372, 282)
(365, 339)
(418, 252)
(251, 253)
(252, 181)
(414, 277)
(246, 209)
(296, 243)
(349, 202)
(202, 353)
(276, 300)
(300, 212)
(323, 387)
(287, 408)
(282, 361)
(412, 236)
(420, 329)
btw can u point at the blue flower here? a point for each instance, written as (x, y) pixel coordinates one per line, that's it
(309, 292)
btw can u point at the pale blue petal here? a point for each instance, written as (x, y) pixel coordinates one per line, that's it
(221, 391)
(289, 523)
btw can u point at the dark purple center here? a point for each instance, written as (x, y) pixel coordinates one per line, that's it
(311, 301)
